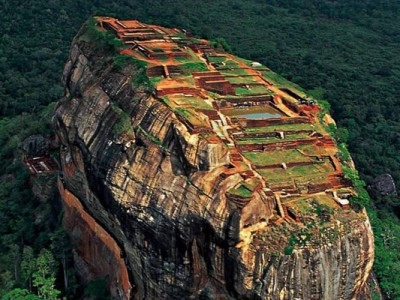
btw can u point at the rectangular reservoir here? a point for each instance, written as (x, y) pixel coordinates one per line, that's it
(254, 113)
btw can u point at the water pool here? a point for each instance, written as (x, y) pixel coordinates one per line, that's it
(255, 113)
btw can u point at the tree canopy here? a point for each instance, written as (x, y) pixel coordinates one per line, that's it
(344, 51)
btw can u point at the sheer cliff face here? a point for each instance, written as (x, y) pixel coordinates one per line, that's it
(147, 207)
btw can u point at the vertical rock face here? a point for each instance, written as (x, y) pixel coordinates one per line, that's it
(92, 243)
(147, 208)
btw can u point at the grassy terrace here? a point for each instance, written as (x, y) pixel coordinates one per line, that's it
(251, 184)
(240, 191)
(155, 80)
(233, 71)
(239, 72)
(259, 89)
(315, 179)
(242, 79)
(310, 172)
(189, 102)
(304, 204)
(268, 110)
(285, 127)
(255, 140)
(231, 64)
(313, 150)
(224, 61)
(189, 67)
(275, 157)
(191, 115)
(301, 204)
(192, 57)
(216, 59)
(263, 140)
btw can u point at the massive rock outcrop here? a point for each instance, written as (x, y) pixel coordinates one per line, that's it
(147, 208)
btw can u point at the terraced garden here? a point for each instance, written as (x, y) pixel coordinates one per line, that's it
(275, 138)
(282, 127)
(276, 157)
(264, 112)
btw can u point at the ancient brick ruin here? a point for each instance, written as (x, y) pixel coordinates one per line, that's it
(39, 165)
(276, 141)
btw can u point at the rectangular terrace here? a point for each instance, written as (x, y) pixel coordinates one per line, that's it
(256, 113)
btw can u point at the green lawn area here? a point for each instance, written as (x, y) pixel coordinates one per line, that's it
(190, 114)
(303, 171)
(249, 62)
(193, 58)
(259, 89)
(296, 136)
(304, 205)
(166, 100)
(242, 79)
(191, 67)
(275, 157)
(228, 63)
(193, 116)
(240, 191)
(193, 102)
(284, 127)
(312, 150)
(156, 80)
(301, 204)
(216, 59)
(185, 60)
(279, 174)
(251, 183)
(179, 36)
(315, 169)
(184, 112)
(314, 172)
(326, 167)
(234, 71)
(274, 175)
(262, 140)
(326, 200)
(231, 64)
(318, 178)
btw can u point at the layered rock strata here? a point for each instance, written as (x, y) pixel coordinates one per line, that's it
(147, 208)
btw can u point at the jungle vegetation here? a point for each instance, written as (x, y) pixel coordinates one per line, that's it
(346, 52)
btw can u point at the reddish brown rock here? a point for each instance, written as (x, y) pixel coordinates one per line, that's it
(92, 242)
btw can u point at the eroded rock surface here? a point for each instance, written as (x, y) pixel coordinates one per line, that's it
(161, 226)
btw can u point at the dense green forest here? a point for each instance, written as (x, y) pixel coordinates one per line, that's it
(344, 51)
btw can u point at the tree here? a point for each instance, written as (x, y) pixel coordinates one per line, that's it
(20, 294)
(16, 258)
(28, 265)
(44, 276)
(61, 247)
(97, 289)
(6, 282)
(317, 93)
(342, 135)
